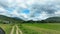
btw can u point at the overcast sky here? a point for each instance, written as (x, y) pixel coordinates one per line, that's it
(30, 9)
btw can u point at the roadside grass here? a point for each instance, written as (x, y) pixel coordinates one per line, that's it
(35, 28)
(27, 30)
(40, 28)
(6, 27)
(53, 26)
(14, 30)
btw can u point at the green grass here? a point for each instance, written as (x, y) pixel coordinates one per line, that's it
(52, 28)
(14, 30)
(35, 28)
(6, 27)
(26, 30)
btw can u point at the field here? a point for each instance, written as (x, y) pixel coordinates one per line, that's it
(35, 28)
(6, 27)
(52, 28)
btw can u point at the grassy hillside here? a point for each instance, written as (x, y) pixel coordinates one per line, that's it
(48, 26)
(5, 19)
(53, 19)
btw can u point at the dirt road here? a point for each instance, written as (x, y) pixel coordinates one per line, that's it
(17, 30)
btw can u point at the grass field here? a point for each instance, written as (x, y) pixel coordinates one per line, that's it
(47, 28)
(36, 28)
(6, 27)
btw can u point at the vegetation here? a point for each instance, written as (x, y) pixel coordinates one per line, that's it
(52, 28)
(48, 26)
(6, 20)
(6, 27)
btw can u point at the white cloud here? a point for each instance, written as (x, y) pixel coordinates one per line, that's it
(43, 8)
(2, 10)
(57, 13)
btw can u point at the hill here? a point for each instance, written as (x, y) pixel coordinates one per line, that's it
(53, 19)
(5, 19)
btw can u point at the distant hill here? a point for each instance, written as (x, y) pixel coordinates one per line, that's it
(48, 20)
(53, 19)
(5, 19)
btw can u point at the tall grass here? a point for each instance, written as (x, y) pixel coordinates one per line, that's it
(6, 27)
(28, 31)
(40, 28)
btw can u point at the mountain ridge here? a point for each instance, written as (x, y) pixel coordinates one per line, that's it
(53, 19)
(4, 18)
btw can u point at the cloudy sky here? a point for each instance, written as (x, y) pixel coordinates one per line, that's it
(30, 9)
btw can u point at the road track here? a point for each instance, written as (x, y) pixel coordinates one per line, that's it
(17, 30)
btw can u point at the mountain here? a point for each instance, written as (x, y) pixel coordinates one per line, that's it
(53, 19)
(5, 19)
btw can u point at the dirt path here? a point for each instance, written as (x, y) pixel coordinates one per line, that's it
(12, 31)
(18, 30)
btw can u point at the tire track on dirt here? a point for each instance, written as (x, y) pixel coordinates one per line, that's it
(12, 31)
(18, 30)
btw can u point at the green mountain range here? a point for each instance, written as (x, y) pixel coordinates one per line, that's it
(5, 19)
(53, 19)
